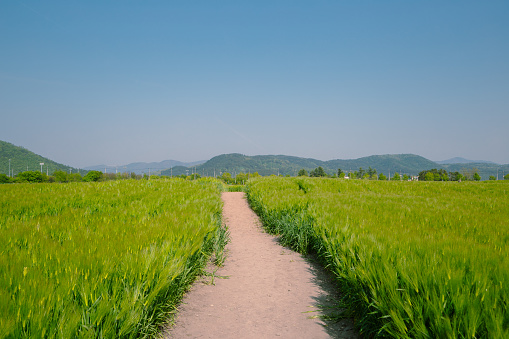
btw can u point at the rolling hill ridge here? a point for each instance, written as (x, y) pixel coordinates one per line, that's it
(22, 160)
(410, 164)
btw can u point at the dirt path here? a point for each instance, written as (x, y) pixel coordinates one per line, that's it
(266, 290)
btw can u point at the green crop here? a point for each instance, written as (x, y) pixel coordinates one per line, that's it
(102, 260)
(412, 259)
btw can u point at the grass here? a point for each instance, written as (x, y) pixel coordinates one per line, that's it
(413, 259)
(107, 260)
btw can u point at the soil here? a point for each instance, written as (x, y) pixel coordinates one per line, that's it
(263, 289)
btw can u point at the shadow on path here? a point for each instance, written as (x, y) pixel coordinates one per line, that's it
(326, 306)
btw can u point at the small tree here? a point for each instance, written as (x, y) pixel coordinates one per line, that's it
(373, 174)
(382, 176)
(60, 176)
(456, 176)
(318, 172)
(30, 176)
(75, 177)
(4, 179)
(93, 176)
(492, 177)
(477, 177)
(340, 171)
(241, 178)
(361, 172)
(396, 176)
(506, 177)
(429, 176)
(226, 177)
(302, 173)
(342, 175)
(405, 177)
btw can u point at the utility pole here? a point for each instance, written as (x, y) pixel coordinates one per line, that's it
(10, 168)
(42, 164)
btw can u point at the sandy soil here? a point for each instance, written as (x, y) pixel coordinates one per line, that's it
(263, 290)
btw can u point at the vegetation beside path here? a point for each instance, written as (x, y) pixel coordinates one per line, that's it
(412, 259)
(102, 260)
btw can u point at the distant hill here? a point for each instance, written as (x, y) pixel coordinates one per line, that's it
(410, 164)
(458, 160)
(289, 165)
(143, 167)
(23, 159)
(485, 169)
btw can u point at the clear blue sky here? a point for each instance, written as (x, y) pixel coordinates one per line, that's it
(114, 82)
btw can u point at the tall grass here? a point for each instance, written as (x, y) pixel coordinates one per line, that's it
(108, 260)
(413, 259)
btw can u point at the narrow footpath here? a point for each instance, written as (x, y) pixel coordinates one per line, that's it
(263, 290)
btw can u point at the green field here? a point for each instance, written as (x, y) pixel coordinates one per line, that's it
(112, 259)
(413, 259)
(102, 260)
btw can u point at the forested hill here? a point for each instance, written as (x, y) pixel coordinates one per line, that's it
(410, 164)
(21, 159)
(282, 164)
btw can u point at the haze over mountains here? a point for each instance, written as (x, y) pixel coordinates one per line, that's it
(410, 164)
(459, 160)
(143, 167)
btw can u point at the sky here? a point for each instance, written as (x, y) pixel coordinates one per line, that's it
(114, 82)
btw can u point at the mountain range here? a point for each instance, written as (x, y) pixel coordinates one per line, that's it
(458, 160)
(411, 164)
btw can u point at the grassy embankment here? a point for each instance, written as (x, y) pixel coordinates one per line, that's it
(102, 260)
(413, 259)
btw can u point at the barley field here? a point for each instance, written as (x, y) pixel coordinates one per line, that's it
(102, 260)
(412, 259)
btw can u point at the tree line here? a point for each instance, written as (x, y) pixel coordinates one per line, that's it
(427, 175)
(369, 174)
(241, 178)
